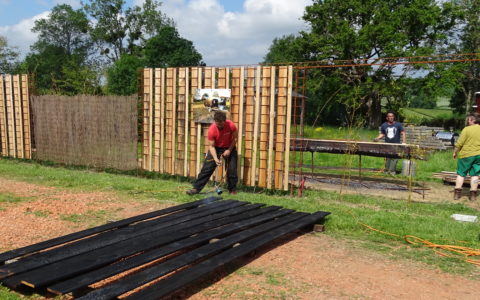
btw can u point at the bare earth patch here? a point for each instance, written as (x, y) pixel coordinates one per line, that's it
(312, 266)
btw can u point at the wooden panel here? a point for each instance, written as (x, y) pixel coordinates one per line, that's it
(222, 84)
(17, 100)
(255, 126)
(163, 122)
(3, 118)
(26, 116)
(209, 83)
(271, 129)
(170, 119)
(264, 126)
(12, 146)
(289, 121)
(240, 124)
(187, 118)
(181, 111)
(157, 121)
(193, 170)
(281, 126)
(146, 119)
(249, 126)
(150, 121)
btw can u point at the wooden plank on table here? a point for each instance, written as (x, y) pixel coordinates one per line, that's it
(288, 126)
(112, 237)
(26, 116)
(12, 137)
(103, 256)
(158, 122)
(181, 121)
(264, 126)
(186, 276)
(109, 226)
(249, 124)
(281, 126)
(251, 217)
(17, 100)
(256, 125)
(3, 118)
(271, 130)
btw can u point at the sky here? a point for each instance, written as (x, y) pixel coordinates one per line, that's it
(225, 32)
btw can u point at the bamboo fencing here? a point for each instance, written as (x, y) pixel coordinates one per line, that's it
(173, 143)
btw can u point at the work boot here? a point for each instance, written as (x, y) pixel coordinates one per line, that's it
(457, 194)
(473, 195)
(192, 192)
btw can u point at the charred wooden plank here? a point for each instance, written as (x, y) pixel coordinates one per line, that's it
(106, 227)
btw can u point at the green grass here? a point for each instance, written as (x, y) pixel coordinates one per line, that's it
(427, 221)
(11, 198)
(418, 115)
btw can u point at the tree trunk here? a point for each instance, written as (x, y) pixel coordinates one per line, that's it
(374, 112)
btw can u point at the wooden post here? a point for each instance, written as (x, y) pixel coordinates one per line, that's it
(240, 124)
(12, 137)
(289, 122)
(272, 128)
(3, 117)
(249, 124)
(222, 84)
(158, 121)
(146, 118)
(199, 145)
(150, 122)
(187, 118)
(264, 126)
(255, 126)
(281, 126)
(169, 121)
(163, 122)
(17, 100)
(193, 170)
(180, 161)
(26, 117)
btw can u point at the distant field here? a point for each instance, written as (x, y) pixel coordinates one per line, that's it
(414, 115)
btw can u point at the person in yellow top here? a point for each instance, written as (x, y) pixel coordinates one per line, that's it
(467, 149)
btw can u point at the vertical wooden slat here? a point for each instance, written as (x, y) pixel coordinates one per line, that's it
(170, 118)
(249, 124)
(222, 84)
(17, 100)
(199, 145)
(289, 121)
(158, 121)
(187, 118)
(26, 116)
(271, 128)
(146, 118)
(163, 121)
(255, 126)
(180, 161)
(150, 121)
(264, 126)
(3, 117)
(240, 124)
(281, 125)
(209, 84)
(12, 137)
(193, 170)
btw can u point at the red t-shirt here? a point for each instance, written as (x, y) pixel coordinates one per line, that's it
(223, 138)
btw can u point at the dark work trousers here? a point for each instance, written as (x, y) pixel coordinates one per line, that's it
(209, 167)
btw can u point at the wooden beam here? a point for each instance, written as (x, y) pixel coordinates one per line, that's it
(249, 126)
(150, 121)
(240, 124)
(289, 122)
(181, 122)
(271, 130)
(193, 170)
(12, 136)
(158, 121)
(162, 120)
(281, 126)
(3, 117)
(255, 126)
(187, 118)
(264, 126)
(26, 116)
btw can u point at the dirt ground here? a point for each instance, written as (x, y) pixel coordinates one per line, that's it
(310, 266)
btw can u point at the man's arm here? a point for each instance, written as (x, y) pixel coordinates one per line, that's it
(213, 151)
(234, 143)
(404, 137)
(380, 136)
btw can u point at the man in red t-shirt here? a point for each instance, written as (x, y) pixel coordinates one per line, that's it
(222, 138)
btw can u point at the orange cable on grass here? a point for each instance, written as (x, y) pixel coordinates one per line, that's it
(437, 248)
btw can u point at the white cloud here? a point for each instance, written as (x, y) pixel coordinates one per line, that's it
(231, 38)
(20, 34)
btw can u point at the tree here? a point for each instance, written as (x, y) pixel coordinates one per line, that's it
(363, 32)
(60, 56)
(168, 49)
(122, 77)
(8, 56)
(118, 30)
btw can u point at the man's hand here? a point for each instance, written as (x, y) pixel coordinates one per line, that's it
(454, 155)
(218, 162)
(226, 153)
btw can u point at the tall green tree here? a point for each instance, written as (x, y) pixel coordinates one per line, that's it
(122, 76)
(60, 56)
(8, 56)
(168, 49)
(120, 30)
(363, 32)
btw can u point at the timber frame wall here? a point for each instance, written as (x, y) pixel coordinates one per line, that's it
(261, 108)
(15, 116)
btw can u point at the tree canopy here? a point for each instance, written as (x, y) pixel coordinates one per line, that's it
(8, 56)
